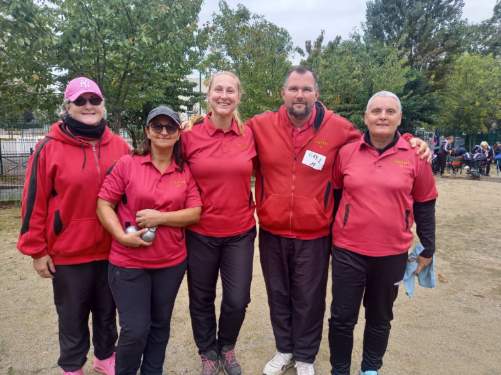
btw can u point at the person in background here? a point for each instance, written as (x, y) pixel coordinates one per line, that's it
(489, 154)
(219, 149)
(444, 151)
(372, 231)
(60, 229)
(149, 192)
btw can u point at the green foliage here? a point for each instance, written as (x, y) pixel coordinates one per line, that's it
(485, 38)
(136, 50)
(26, 40)
(471, 100)
(141, 53)
(350, 71)
(254, 49)
(425, 32)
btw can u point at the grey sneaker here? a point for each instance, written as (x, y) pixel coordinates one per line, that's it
(229, 362)
(210, 363)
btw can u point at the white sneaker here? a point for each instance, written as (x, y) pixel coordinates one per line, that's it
(279, 364)
(303, 368)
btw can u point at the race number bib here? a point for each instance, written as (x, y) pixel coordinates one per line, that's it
(314, 160)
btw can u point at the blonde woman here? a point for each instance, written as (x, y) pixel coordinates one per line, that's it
(219, 150)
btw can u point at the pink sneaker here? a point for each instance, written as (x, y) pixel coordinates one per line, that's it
(105, 366)
(78, 372)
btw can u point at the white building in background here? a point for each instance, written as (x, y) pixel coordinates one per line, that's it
(201, 86)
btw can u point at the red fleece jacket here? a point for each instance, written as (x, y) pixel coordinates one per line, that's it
(63, 178)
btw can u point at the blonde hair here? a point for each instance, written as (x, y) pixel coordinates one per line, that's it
(236, 114)
(193, 120)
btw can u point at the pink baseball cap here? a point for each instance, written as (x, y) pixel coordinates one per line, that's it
(79, 86)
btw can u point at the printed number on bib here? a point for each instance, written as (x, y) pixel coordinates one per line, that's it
(314, 160)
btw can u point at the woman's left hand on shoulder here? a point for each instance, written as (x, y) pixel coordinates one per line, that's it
(148, 218)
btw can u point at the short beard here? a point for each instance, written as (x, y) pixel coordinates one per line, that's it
(300, 115)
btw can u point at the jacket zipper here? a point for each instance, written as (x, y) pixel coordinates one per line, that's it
(326, 195)
(97, 161)
(262, 189)
(293, 188)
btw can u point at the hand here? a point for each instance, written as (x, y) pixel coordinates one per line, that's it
(184, 125)
(148, 218)
(422, 263)
(423, 150)
(44, 267)
(133, 239)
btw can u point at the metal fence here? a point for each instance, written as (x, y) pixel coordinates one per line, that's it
(14, 154)
(17, 142)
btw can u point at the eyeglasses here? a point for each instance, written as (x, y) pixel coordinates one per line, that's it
(81, 101)
(169, 128)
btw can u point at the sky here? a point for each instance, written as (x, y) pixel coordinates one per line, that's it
(304, 19)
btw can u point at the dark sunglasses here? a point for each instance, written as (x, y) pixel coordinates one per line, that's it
(81, 101)
(169, 128)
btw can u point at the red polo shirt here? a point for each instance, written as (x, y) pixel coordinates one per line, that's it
(375, 215)
(136, 184)
(221, 163)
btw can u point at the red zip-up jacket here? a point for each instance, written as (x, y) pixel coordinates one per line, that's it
(294, 196)
(63, 178)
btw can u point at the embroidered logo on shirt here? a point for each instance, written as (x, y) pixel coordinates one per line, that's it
(401, 162)
(242, 146)
(179, 183)
(321, 142)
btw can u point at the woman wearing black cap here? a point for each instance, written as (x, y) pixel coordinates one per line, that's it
(145, 203)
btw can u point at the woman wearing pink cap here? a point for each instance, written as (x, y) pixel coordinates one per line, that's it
(60, 229)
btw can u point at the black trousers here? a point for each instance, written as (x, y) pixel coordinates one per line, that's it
(295, 272)
(375, 279)
(79, 290)
(207, 257)
(145, 299)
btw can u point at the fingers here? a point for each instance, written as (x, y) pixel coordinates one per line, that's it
(52, 267)
(146, 218)
(422, 264)
(45, 274)
(44, 267)
(135, 240)
(419, 269)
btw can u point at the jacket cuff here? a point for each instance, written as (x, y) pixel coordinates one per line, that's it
(40, 254)
(427, 253)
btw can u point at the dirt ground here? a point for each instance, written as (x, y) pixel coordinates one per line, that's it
(453, 329)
